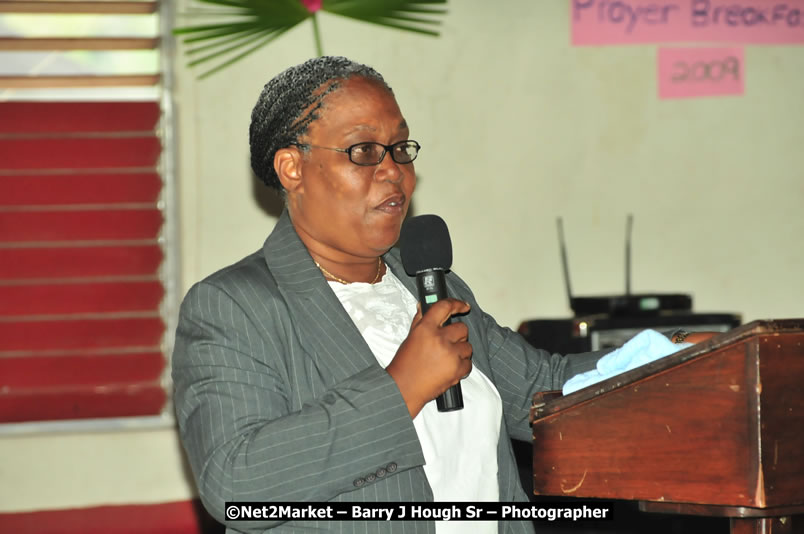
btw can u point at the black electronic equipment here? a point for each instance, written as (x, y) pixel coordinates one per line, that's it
(601, 331)
(607, 321)
(626, 304)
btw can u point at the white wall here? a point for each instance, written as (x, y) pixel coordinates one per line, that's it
(517, 127)
(59, 470)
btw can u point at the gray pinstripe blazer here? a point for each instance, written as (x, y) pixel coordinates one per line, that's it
(279, 398)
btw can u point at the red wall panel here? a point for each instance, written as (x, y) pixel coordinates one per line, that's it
(79, 262)
(82, 403)
(72, 298)
(80, 294)
(183, 517)
(79, 188)
(36, 372)
(79, 152)
(78, 116)
(69, 225)
(41, 335)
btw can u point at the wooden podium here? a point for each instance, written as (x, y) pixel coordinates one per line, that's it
(716, 429)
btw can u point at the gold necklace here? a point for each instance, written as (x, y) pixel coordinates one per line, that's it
(344, 282)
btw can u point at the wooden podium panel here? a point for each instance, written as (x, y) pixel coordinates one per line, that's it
(720, 423)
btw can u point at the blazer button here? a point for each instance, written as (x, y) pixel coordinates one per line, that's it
(371, 477)
(381, 472)
(359, 482)
(391, 467)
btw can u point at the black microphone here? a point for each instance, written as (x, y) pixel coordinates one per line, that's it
(427, 253)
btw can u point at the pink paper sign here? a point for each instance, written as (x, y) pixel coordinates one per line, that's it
(605, 22)
(693, 72)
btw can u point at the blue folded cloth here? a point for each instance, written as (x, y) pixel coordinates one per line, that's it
(645, 347)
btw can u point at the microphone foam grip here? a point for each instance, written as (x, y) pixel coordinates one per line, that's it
(424, 244)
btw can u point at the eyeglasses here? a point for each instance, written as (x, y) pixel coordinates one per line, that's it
(373, 153)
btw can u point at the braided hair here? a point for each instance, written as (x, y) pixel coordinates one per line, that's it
(290, 102)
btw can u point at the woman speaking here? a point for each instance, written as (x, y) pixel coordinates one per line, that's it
(306, 372)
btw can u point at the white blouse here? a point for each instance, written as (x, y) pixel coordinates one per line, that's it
(460, 447)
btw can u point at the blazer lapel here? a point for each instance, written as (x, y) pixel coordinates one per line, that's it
(323, 327)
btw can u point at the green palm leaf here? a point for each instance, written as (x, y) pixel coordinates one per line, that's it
(411, 15)
(252, 24)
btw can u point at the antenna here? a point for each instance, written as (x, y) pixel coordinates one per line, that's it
(620, 305)
(629, 225)
(564, 263)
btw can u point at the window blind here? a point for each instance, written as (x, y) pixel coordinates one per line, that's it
(82, 224)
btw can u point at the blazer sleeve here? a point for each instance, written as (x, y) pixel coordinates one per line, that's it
(250, 437)
(519, 369)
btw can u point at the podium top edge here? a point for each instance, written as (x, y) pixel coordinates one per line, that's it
(550, 402)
